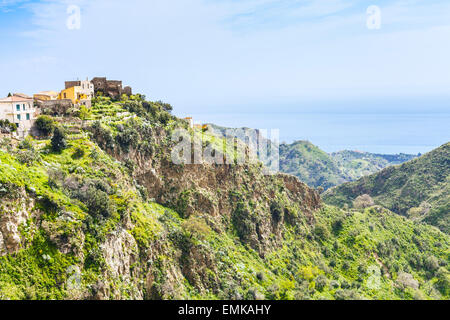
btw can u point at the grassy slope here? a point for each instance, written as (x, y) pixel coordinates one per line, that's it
(320, 261)
(422, 182)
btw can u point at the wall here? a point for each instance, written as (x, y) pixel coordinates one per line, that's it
(112, 88)
(67, 94)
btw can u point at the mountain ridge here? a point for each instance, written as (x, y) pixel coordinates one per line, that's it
(320, 169)
(418, 188)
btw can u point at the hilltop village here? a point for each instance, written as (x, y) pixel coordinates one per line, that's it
(18, 111)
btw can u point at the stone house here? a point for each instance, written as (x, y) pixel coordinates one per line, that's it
(111, 88)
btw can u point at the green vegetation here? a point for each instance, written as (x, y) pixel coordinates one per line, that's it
(7, 127)
(45, 125)
(311, 165)
(58, 142)
(320, 169)
(418, 189)
(106, 215)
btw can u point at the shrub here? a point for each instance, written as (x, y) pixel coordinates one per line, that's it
(28, 157)
(164, 117)
(165, 106)
(98, 203)
(254, 294)
(334, 284)
(7, 127)
(78, 153)
(102, 136)
(432, 263)
(321, 231)
(26, 144)
(129, 137)
(346, 295)
(261, 276)
(338, 224)
(443, 283)
(197, 227)
(406, 280)
(84, 114)
(45, 125)
(130, 165)
(59, 142)
(277, 211)
(321, 282)
(55, 177)
(362, 202)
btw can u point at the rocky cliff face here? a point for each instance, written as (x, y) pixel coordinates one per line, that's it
(14, 214)
(257, 205)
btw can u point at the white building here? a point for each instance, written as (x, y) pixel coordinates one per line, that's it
(87, 89)
(19, 110)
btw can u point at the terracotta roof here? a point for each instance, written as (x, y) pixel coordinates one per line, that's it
(22, 95)
(16, 99)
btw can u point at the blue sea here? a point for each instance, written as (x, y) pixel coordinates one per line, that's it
(405, 128)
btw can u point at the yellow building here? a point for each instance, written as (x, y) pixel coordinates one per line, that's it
(77, 95)
(79, 92)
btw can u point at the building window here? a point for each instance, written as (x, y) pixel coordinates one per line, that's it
(28, 116)
(18, 117)
(65, 95)
(18, 107)
(24, 107)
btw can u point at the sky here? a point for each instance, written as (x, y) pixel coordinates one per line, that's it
(315, 69)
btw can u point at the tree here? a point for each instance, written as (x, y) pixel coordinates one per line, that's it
(85, 113)
(363, 202)
(406, 280)
(45, 125)
(431, 263)
(7, 127)
(59, 142)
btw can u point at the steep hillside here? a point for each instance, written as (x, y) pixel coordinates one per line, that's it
(419, 189)
(311, 165)
(319, 169)
(110, 216)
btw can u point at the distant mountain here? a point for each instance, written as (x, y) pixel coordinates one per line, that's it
(320, 169)
(419, 189)
(311, 165)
